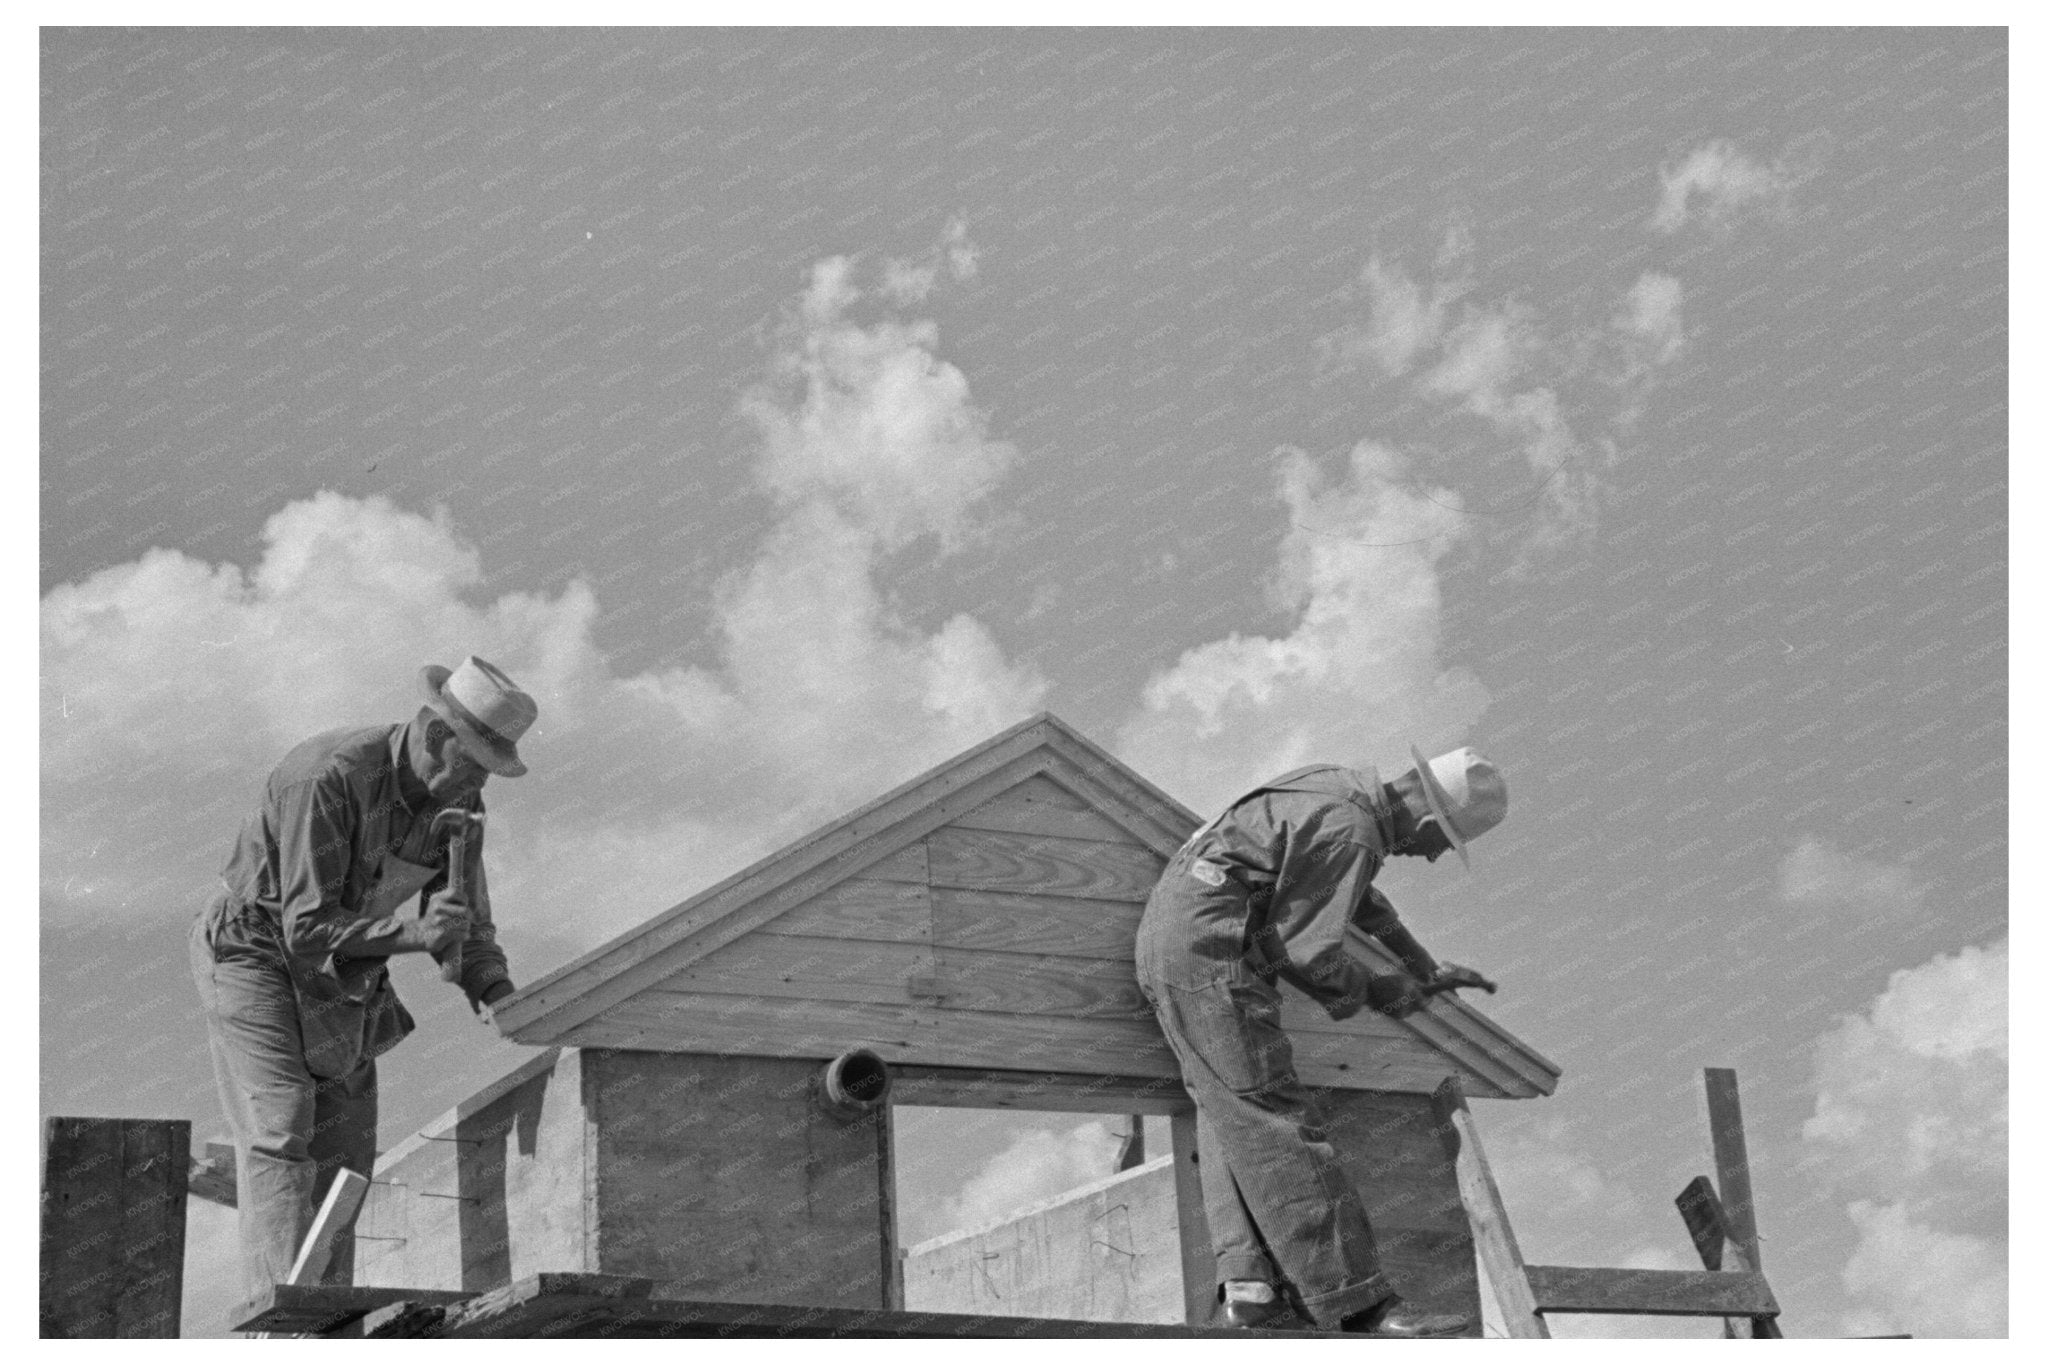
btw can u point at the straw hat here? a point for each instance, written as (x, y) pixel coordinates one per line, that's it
(486, 710)
(1465, 792)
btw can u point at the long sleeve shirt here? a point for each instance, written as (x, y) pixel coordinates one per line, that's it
(1309, 844)
(307, 862)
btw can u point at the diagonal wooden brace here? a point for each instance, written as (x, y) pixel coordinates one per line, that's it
(1493, 1237)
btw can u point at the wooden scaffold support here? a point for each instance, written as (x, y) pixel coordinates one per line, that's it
(113, 1226)
(1732, 1286)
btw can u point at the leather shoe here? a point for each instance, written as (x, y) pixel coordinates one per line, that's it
(1249, 1311)
(1394, 1317)
(1244, 1313)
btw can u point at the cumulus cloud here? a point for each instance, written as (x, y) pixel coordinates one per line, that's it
(1481, 356)
(170, 685)
(1910, 1276)
(1526, 379)
(1910, 1125)
(868, 420)
(1359, 675)
(1651, 312)
(1038, 1166)
(907, 282)
(1648, 331)
(1717, 185)
(1403, 319)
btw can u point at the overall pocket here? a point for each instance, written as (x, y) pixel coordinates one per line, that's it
(1232, 1023)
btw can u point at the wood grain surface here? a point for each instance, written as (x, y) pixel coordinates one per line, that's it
(1040, 805)
(985, 860)
(113, 1226)
(1021, 922)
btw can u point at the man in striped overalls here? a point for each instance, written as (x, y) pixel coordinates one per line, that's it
(1266, 891)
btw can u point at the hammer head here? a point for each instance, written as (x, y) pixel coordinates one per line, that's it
(453, 822)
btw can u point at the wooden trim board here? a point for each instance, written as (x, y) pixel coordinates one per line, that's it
(337, 1214)
(1197, 1255)
(1665, 1293)
(1521, 1070)
(945, 1087)
(1493, 1235)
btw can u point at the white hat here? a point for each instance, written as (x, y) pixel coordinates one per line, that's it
(1465, 792)
(486, 710)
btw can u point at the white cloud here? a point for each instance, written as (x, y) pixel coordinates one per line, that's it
(1356, 679)
(1484, 353)
(1717, 185)
(1815, 876)
(1652, 313)
(1908, 1276)
(170, 686)
(963, 258)
(1648, 333)
(1482, 357)
(1037, 1166)
(907, 282)
(1401, 322)
(1499, 363)
(870, 419)
(1910, 1125)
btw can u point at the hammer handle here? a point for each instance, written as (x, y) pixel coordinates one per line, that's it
(450, 957)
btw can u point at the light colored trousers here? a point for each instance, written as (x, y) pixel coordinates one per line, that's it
(292, 1130)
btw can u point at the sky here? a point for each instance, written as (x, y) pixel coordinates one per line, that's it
(791, 411)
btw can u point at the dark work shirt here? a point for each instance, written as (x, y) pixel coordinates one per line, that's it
(306, 862)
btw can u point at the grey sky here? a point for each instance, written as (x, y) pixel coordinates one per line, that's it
(797, 409)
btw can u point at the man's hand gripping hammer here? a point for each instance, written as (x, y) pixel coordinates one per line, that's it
(457, 824)
(1451, 977)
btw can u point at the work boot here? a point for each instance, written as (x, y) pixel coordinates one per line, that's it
(1251, 1303)
(1394, 1317)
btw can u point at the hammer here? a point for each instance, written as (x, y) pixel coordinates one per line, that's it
(458, 823)
(1450, 977)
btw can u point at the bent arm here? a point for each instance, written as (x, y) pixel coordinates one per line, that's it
(316, 825)
(1380, 920)
(483, 960)
(1319, 890)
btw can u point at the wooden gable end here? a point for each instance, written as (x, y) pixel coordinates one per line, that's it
(1003, 932)
(989, 924)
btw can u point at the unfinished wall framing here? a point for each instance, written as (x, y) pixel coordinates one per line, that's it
(720, 1175)
(974, 928)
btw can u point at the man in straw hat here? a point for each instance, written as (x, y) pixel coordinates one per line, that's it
(1267, 890)
(289, 956)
